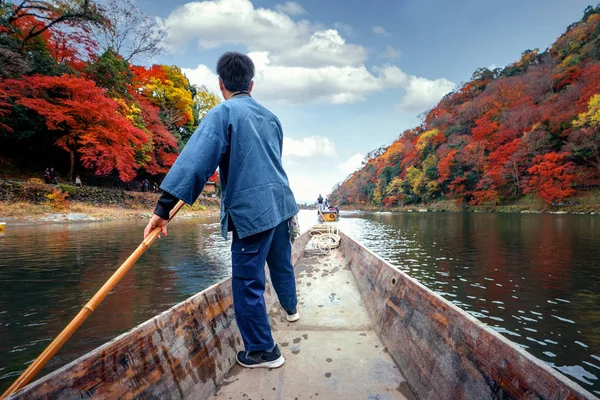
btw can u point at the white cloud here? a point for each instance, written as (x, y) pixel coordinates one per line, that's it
(220, 22)
(297, 62)
(390, 53)
(302, 84)
(335, 85)
(308, 147)
(380, 30)
(290, 8)
(203, 76)
(323, 48)
(352, 164)
(421, 93)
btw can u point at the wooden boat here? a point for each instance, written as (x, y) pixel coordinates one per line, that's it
(367, 331)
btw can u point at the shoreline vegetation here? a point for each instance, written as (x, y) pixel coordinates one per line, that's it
(588, 203)
(26, 203)
(33, 203)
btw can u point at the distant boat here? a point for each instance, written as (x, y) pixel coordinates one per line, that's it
(329, 215)
(367, 330)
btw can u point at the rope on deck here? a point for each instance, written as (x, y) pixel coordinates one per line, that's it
(324, 238)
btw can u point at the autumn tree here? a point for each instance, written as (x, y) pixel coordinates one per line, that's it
(168, 89)
(5, 109)
(552, 177)
(87, 122)
(204, 100)
(162, 149)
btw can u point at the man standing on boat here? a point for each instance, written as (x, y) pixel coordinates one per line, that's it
(245, 141)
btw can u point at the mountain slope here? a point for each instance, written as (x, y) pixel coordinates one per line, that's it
(532, 127)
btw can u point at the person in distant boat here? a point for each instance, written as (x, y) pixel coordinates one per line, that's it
(244, 140)
(78, 181)
(320, 203)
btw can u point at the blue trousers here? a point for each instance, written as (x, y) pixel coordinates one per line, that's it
(248, 257)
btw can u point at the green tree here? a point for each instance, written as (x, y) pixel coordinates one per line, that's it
(111, 72)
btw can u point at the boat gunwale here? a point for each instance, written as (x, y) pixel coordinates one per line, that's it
(94, 353)
(571, 384)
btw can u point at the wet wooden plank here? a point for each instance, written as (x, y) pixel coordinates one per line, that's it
(443, 352)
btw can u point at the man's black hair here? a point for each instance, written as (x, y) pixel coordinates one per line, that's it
(236, 71)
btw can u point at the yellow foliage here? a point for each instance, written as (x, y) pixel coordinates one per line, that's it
(175, 75)
(58, 199)
(393, 153)
(35, 181)
(415, 178)
(377, 192)
(173, 96)
(130, 111)
(204, 101)
(393, 188)
(430, 161)
(425, 138)
(592, 116)
(569, 61)
(432, 188)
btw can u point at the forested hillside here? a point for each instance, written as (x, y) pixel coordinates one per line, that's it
(71, 98)
(530, 128)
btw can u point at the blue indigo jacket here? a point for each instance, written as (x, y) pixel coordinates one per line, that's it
(245, 141)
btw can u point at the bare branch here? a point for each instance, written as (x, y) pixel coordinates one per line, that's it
(50, 13)
(131, 32)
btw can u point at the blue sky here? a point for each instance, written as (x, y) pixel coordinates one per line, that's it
(344, 76)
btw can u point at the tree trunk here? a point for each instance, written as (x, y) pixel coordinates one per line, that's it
(72, 167)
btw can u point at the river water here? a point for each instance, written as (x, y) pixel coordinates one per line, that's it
(533, 278)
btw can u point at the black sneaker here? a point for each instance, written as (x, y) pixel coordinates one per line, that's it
(292, 316)
(261, 359)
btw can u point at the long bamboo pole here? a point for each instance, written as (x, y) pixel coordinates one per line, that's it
(86, 311)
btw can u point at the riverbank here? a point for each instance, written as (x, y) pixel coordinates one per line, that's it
(32, 203)
(588, 204)
(25, 213)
